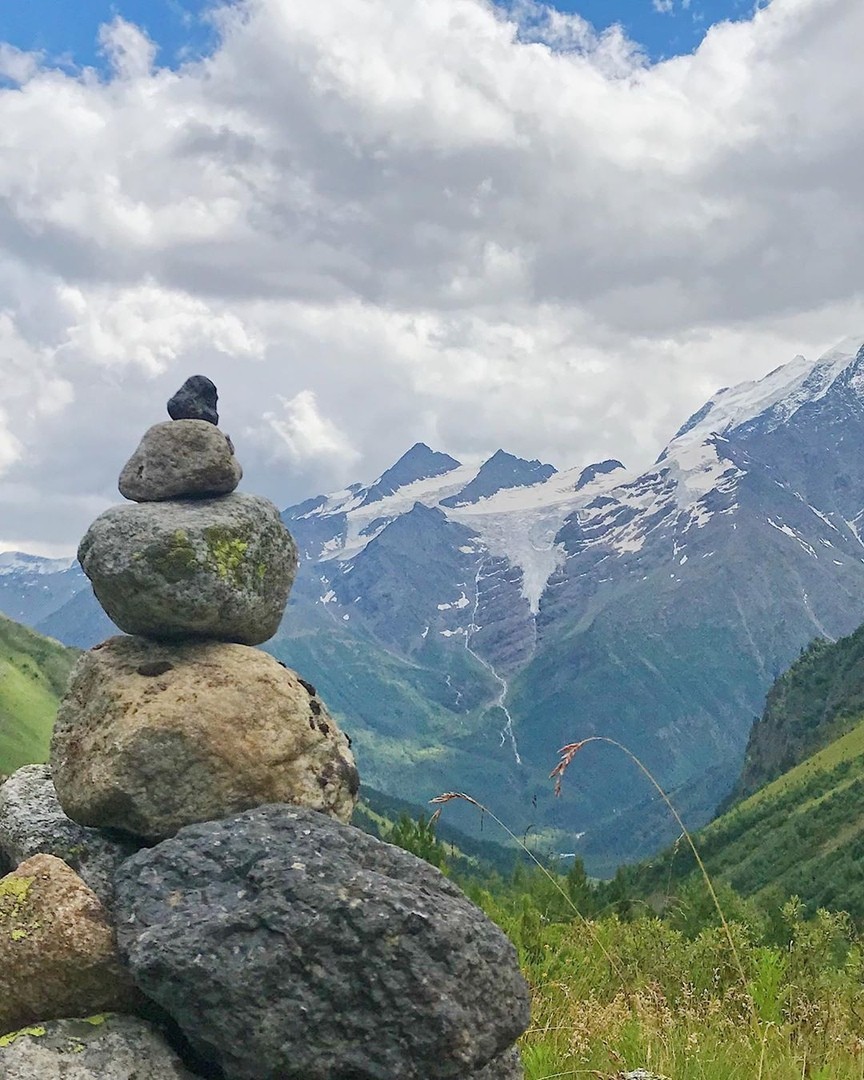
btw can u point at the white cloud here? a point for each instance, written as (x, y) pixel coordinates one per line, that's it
(129, 50)
(16, 65)
(303, 434)
(664, 7)
(415, 221)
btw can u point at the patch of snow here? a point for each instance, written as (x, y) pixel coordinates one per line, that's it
(785, 389)
(823, 517)
(14, 562)
(462, 602)
(787, 531)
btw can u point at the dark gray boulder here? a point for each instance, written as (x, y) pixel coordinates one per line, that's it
(105, 1047)
(195, 400)
(180, 459)
(506, 1067)
(32, 822)
(217, 568)
(287, 946)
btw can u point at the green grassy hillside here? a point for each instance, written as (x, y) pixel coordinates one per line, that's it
(801, 834)
(818, 699)
(33, 674)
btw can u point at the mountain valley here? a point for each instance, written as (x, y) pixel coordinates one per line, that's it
(465, 621)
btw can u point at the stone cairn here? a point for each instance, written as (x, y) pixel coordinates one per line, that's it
(184, 895)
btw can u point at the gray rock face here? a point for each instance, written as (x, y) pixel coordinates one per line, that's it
(32, 822)
(180, 459)
(150, 737)
(211, 568)
(506, 1067)
(107, 1047)
(290, 947)
(195, 400)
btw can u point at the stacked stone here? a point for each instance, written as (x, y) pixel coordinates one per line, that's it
(278, 941)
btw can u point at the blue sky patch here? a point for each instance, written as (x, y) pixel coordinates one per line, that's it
(68, 32)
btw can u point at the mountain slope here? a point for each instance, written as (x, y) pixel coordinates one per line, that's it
(818, 699)
(801, 830)
(33, 674)
(802, 835)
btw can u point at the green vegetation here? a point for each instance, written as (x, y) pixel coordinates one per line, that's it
(33, 675)
(818, 699)
(617, 987)
(616, 994)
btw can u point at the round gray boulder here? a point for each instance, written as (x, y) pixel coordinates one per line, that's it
(290, 947)
(32, 822)
(506, 1067)
(104, 1047)
(180, 459)
(150, 737)
(217, 568)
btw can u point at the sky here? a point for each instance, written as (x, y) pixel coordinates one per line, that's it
(553, 230)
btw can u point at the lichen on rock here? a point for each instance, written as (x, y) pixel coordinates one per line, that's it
(58, 955)
(218, 568)
(103, 1047)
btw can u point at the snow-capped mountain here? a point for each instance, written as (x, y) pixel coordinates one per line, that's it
(466, 620)
(656, 607)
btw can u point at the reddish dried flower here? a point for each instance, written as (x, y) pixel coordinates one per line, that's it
(566, 753)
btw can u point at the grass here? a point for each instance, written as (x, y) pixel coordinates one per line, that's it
(683, 1013)
(33, 674)
(727, 992)
(801, 834)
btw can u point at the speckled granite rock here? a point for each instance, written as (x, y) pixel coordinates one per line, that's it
(217, 568)
(180, 459)
(57, 951)
(287, 945)
(102, 1047)
(32, 822)
(196, 399)
(150, 737)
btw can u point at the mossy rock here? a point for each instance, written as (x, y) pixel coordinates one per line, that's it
(218, 568)
(103, 1047)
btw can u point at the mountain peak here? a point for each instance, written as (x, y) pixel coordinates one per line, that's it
(599, 468)
(421, 462)
(501, 471)
(774, 397)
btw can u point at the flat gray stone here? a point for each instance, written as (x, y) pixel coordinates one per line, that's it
(106, 1047)
(180, 459)
(32, 822)
(287, 946)
(216, 568)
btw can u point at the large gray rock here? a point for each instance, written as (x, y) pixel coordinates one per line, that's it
(290, 947)
(180, 459)
(32, 822)
(506, 1067)
(102, 1047)
(210, 568)
(150, 737)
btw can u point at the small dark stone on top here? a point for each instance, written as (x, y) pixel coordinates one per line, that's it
(195, 400)
(308, 687)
